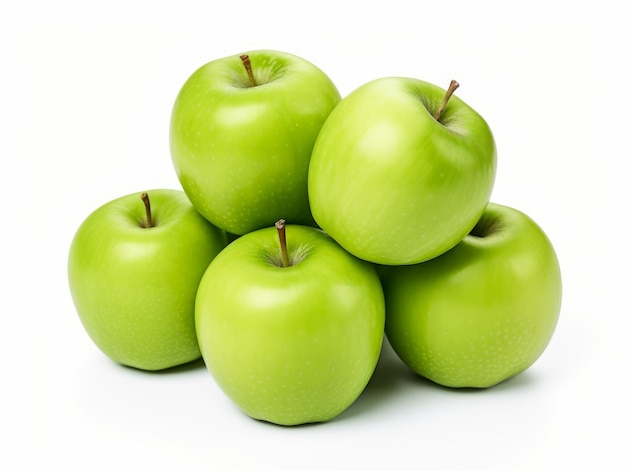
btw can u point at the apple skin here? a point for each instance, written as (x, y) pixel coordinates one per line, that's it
(390, 183)
(290, 345)
(242, 153)
(134, 288)
(482, 312)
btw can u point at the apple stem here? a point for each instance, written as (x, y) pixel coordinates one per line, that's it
(280, 226)
(246, 63)
(146, 202)
(453, 86)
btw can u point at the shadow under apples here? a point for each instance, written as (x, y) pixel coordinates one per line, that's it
(194, 365)
(392, 375)
(523, 380)
(389, 376)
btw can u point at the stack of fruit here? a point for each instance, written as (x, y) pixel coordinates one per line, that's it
(309, 227)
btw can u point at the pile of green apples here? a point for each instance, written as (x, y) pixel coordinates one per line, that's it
(308, 227)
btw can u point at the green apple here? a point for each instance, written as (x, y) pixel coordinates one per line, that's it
(401, 171)
(134, 268)
(241, 134)
(291, 331)
(483, 311)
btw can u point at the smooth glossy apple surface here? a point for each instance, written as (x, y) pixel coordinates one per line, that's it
(290, 345)
(134, 287)
(241, 151)
(482, 312)
(392, 184)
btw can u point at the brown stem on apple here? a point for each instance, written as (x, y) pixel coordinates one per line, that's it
(246, 63)
(453, 86)
(280, 226)
(146, 201)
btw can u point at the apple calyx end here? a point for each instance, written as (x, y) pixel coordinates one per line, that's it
(248, 66)
(451, 89)
(485, 227)
(148, 222)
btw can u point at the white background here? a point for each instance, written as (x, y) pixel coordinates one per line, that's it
(87, 89)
